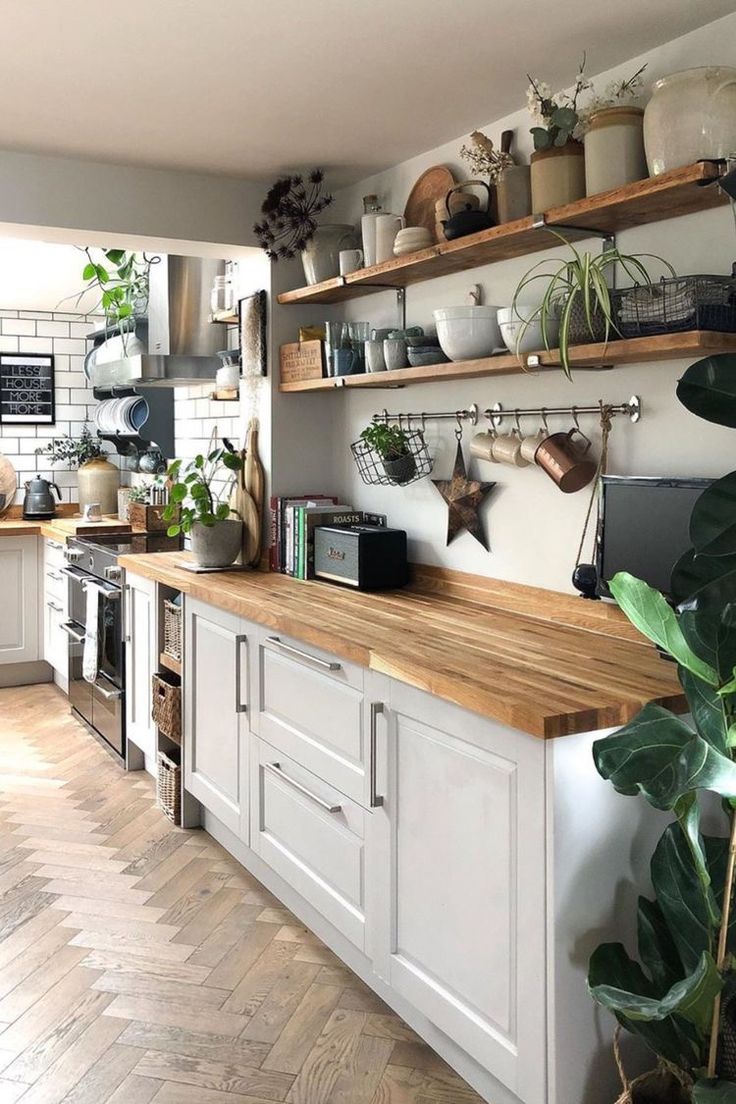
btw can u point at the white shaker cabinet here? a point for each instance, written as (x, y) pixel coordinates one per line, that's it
(141, 660)
(215, 713)
(20, 622)
(462, 862)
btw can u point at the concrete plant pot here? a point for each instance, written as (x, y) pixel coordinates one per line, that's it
(217, 545)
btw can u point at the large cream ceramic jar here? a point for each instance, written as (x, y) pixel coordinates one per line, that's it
(691, 117)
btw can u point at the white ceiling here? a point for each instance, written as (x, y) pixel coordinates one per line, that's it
(252, 87)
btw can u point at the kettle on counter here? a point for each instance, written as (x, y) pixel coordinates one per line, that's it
(38, 502)
(467, 220)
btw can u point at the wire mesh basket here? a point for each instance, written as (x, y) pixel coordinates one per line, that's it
(679, 303)
(376, 471)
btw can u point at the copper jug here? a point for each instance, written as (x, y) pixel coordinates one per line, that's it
(566, 461)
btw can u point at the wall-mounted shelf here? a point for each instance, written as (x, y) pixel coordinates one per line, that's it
(680, 192)
(226, 318)
(692, 343)
(228, 394)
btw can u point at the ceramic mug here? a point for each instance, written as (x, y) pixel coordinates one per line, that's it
(507, 450)
(345, 361)
(529, 445)
(565, 460)
(92, 511)
(394, 352)
(481, 446)
(350, 260)
(374, 360)
(387, 227)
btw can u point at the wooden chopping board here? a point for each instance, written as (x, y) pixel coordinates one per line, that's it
(432, 185)
(8, 483)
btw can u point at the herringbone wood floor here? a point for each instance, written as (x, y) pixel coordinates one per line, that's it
(139, 962)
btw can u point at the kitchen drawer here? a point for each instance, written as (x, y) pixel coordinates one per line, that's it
(313, 836)
(55, 640)
(55, 585)
(53, 553)
(310, 706)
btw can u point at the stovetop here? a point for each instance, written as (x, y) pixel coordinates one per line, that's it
(98, 553)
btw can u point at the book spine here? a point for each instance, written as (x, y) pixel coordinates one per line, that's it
(274, 535)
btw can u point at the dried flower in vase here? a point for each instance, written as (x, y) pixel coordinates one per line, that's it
(484, 159)
(289, 214)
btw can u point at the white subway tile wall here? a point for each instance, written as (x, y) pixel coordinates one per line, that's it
(197, 416)
(63, 335)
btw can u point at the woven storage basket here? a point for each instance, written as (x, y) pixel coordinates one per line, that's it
(168, 787)
(172, 629)
(166, 705)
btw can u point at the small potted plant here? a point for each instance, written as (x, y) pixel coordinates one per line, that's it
(558, 161)
(613, 126)
(199, 508)
(392, 445)
(97, 479)
(577, 297)
(121, 282)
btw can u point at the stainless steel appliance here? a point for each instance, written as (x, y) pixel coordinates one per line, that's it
(38, 502)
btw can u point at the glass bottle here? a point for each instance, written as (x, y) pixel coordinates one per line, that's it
(371, 210)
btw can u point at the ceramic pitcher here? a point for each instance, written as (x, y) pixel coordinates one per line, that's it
(691, 117)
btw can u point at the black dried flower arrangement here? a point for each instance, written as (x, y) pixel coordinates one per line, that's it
(289, 214)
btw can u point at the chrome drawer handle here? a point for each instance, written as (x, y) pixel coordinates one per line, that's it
(54, 576)
(72, 633)
(289, 649)
(240, 705)
(108, 695)
(54, 607)
(275, 768)
(374, 800)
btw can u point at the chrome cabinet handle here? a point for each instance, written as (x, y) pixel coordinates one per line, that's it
(108, 695)
(53, 606)
(127, 614)
(275, 768)
(72, 633)
(54, 576)
(240, 705)
(374, 800)
(289, 649)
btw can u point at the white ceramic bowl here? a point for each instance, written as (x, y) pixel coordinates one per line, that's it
(468, 333)
(511, 323)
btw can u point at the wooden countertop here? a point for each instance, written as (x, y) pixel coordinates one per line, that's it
(57, 528)
(549, 664)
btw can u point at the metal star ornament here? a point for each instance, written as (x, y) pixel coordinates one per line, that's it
(464, 498)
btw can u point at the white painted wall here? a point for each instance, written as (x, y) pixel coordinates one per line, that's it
(534, 529)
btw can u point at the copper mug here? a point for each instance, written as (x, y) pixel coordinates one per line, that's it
(565, 460)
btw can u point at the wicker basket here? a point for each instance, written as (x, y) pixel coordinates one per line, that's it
(172, 629)
(166, 705)
(168, 787)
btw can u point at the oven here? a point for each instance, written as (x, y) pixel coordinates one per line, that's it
(100, 704)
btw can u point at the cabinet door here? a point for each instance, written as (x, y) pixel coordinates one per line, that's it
(140, 661)
(215, 721)
(55, 641)
(463, 862)
(20, 621)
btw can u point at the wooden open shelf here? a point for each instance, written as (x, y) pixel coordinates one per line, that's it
(692, 343)
(680, 192)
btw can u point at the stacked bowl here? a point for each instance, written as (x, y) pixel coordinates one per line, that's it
(126, 416)
(411, 239)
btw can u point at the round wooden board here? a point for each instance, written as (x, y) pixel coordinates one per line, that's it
(432, 185)
(8, 482)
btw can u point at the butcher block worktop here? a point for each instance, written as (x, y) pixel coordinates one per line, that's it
(546, 663)
(57, 528)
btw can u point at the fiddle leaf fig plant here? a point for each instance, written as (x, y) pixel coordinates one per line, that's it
(200, 490)
(680, 997)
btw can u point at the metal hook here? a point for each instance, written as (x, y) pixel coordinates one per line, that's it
(424, 422)
(574, 412)
(459, 429)
(543, 412)
(517, 420)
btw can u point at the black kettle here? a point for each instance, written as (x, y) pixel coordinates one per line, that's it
(467, 221)
(38, 502)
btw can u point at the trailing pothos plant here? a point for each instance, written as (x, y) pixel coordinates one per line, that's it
(678, 996)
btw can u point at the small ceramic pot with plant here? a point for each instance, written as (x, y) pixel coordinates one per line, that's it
(392, 445)
(577, 297)
(199, 494)
(558, 161)
(97, 479)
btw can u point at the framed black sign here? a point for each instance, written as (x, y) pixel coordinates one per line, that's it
(27, 389)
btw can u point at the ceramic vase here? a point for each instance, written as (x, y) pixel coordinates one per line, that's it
(558, 176)
(691, 117)
(614, 149)
(98, 481)
(321, 257)
(217, 545)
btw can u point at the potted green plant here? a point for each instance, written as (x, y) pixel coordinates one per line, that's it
(120, 281)
(680, 998)
(391, 443)
(199, 508)
(577, 296)
(97, 479)
(558, 161)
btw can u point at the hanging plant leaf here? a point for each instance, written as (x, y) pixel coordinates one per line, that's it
(708, 389)
(707, 711)
(691, 998)
(681, 897)
(657, 949)
(649, 611)
(713, 520)
(660, 756)
(694, 571)
(716, 852)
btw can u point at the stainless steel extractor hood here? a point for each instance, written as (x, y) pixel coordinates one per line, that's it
(181, 341)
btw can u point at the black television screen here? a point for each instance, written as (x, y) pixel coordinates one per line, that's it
(645, 526)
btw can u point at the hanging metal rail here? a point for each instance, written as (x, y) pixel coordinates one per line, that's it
(496, 413)
(470, 414)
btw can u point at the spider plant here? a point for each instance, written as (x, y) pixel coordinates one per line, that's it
(580, 282)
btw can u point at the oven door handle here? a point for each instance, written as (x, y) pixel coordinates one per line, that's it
(108, 695)
(111, 593)
(72, 573)
(71, 632)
